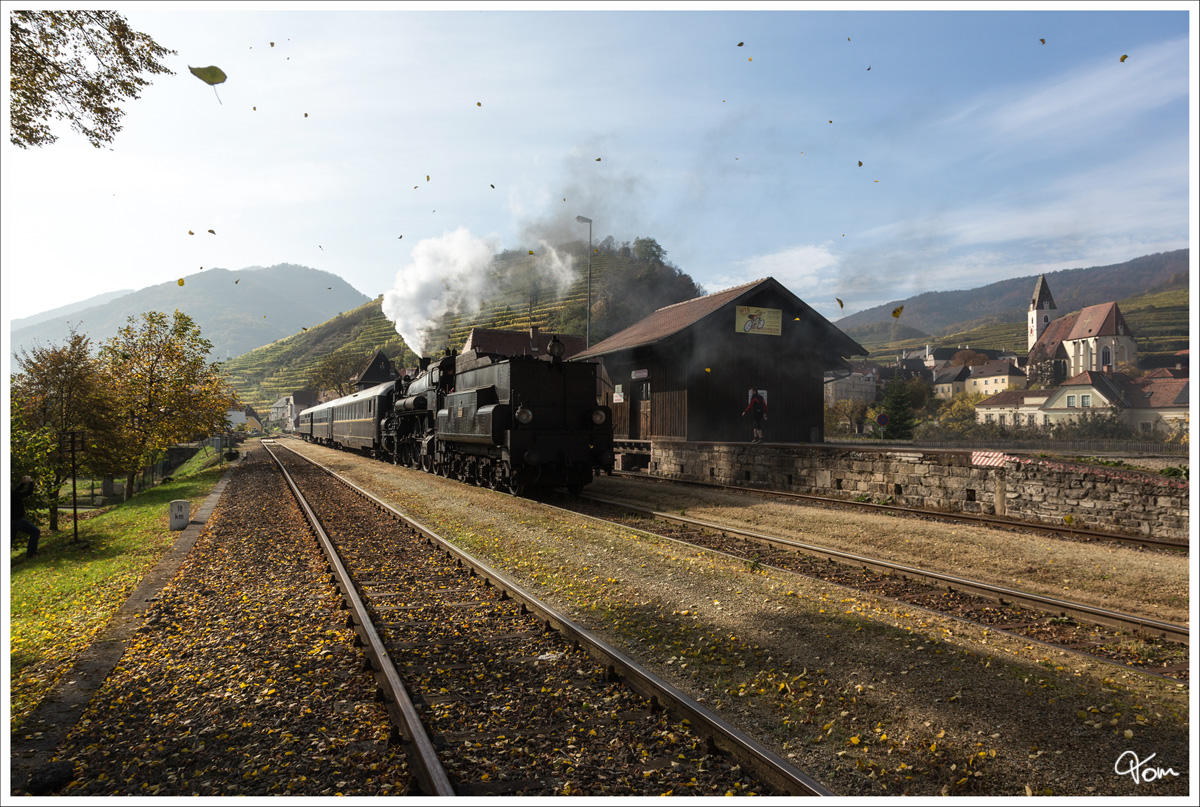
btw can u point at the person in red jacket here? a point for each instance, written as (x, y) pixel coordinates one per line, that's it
(758, 408)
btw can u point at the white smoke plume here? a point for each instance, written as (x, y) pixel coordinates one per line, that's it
(454, 274)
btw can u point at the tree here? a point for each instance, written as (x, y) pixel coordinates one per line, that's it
(968, 358)
(164, 389)
(898, 409)
(75, 66)
(336, 372)
(30, 450)
(849, 415)
(647, 249)
(61, 390)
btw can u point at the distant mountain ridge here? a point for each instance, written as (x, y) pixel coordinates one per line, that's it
(942, 312)
(237, 310)
(67, 310)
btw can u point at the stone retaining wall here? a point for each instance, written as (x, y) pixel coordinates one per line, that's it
(1025, 488)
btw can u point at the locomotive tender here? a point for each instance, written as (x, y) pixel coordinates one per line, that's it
(508, 423)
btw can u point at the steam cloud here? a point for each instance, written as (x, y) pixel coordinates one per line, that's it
(455, 274)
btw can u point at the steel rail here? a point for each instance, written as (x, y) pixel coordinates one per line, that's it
(1001, 594)
(721, 735)
(991, 521)
(427, 766)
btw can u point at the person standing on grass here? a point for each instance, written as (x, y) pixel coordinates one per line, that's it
(758, 408)
(19, 522)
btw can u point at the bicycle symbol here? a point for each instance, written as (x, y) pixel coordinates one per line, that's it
(755, 323)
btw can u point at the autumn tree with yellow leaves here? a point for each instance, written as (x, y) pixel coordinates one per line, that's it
(77, 67)
(164, 390)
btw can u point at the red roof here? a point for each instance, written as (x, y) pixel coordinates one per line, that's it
(1013, 397)
(1047, 344)
(1100, 320)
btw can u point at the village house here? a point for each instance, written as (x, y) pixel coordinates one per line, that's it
(1148, 404)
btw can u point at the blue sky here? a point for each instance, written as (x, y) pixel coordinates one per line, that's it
(985, 153)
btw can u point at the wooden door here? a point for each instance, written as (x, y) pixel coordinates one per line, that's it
(644, 411)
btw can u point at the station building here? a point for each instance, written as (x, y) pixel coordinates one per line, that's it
(685, 372)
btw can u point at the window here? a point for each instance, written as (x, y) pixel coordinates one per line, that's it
(987, 418)
(1070, 401)
(1085, 400)
(1032, 420)
(1045, 421)
(1145, 425)
(1002, 420)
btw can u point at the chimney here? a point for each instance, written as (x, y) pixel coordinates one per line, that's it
(533, 339)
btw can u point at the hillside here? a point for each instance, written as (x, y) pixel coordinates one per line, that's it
(68, 310)
(1159, 320)
(941, 313)
(625, 289)
(236, 310)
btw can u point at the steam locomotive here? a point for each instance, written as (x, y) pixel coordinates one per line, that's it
(508, 423)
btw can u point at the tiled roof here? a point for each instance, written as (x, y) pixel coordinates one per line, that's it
(994, 368)
(1168, 372)
(1152, 393)
(672, 319)
(1100, 320)
(1056, 332)
(1013, 397)
(517, 343)
(953, 375)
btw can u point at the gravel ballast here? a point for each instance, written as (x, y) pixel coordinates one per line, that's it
(868, 696)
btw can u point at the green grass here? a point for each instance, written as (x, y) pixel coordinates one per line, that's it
(62, 598)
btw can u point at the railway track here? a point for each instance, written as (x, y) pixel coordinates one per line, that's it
(1074, 533)
(494, 693)
(1042, 618)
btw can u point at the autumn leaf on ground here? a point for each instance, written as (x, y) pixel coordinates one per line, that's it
(896, 312)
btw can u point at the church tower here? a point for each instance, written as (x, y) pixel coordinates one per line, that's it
(1041, 311)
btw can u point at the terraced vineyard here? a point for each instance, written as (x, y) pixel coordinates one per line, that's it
(624, 290)
(1159, 321)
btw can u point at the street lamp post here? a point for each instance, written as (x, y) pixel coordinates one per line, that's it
(587, 339)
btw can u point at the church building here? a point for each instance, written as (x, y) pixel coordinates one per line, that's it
(1095, 339)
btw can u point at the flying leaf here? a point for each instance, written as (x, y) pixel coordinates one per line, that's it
(597, 159)
(254, 108)
(493, 187)
(239, 280)
(531, 252)
(709, 369)
(214, 232)
(209, 75)
(831, 121)
(1123, 58)
(190, 232)
(740, 44)
(896, 312)
(868, 68)
(839, 299)
(181, 281)
(427, 177)
(272, 44)
(750, 59)
(860, 163)
(306, 114)
(1069, 519)
(1042, 41)
(399, 237)
(478, 104)
(304, 329)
